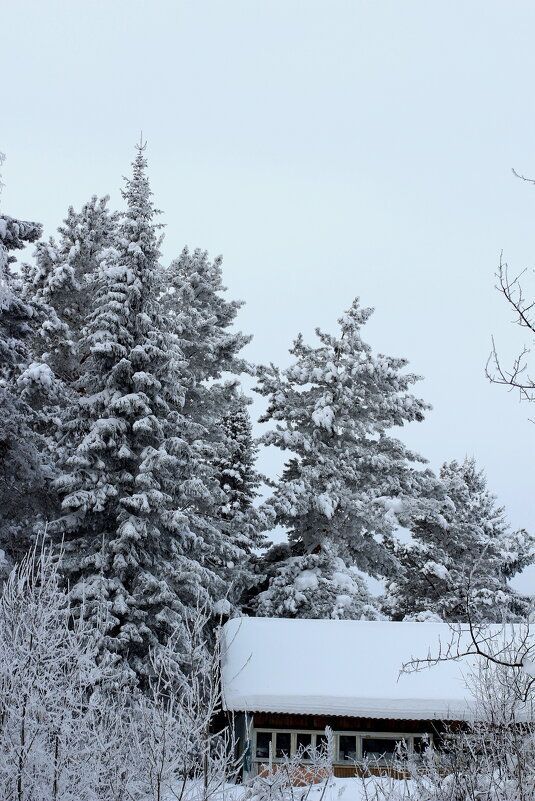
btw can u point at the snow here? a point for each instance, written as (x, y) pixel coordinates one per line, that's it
(307, 580)
(433, 568)
(345, 667)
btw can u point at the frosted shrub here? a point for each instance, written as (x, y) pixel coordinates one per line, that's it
(46, 666)
(71, 731)
(178, 752)
(291, 779)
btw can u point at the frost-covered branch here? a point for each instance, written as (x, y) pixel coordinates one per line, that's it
(517, 376)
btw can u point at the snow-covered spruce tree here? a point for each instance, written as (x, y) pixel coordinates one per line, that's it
(236, 468)
(62, 281)
(60, 284)
(137, 548)
(332, 409)
(461, 556)
(23, 464)
(193, 298)
(240, 520)
(202, 318)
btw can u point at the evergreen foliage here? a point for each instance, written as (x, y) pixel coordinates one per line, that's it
(332, 409)
(60, 285)
(201, 318)
(23, 467)
(241, 521)
(137, 547)
(193, 298)
(62, 282)
(461, 556)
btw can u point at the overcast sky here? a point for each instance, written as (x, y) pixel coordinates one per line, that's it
(327, 149)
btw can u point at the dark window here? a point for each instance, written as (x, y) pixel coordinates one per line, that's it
(263, 742)
(282, 747)
(379, 748)
(348, 747)
(421, 744)
(321, 742)
(304, 743)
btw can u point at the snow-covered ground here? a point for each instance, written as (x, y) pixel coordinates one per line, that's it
(335, 789)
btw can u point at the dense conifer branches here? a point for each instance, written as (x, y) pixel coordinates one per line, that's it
(24, 466)
(333, 408)
(460, 557)
(139, 546)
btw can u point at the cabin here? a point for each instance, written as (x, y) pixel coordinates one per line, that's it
(285, 680)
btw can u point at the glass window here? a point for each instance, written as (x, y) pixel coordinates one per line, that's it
(321, 742)
(379, 748)
(421, 744)
(263, 742)
(304, 743)
(348, 747)
(283, 741)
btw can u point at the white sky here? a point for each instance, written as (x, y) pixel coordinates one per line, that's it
(327, 149)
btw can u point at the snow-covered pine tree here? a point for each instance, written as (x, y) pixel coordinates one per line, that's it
(236, 468)
(333, 408)
(23, 469)
(202, 318)
(461, 556)
(60, 284)
(62, 281)
(137, 549)
(193, 297)
(241, 521)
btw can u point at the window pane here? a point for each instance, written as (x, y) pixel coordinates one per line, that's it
(263, 741)
(379, 748)
(420, 745)
(348, 747)
(282, 748)
(321, 741)
(304, 742)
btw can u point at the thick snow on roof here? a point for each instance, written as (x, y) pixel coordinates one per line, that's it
(344, 667)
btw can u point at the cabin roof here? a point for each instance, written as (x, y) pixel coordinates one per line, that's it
(348, 667)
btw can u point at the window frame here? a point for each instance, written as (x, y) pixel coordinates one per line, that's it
(358, 734)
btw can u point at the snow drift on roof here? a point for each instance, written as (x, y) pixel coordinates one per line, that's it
(345, 667)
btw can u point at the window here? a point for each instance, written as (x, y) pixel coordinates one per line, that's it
(421, 744)
(263, 742)
(303, 743)
(283, 746)
(347, 747)
(381, 749)
(287, 743)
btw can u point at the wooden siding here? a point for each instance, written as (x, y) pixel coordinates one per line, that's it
(282, 720)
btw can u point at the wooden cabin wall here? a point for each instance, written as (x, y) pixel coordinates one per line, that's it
(283, 720)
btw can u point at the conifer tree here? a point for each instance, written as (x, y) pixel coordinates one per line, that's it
(241, 521)
(23, 468)
(461, 556)
(60, 285)
(193, 297)
(62, 282)
(137, 548)
(236, 468)
(332, 409)
(202, 318)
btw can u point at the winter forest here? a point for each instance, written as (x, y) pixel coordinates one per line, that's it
(134, 520)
